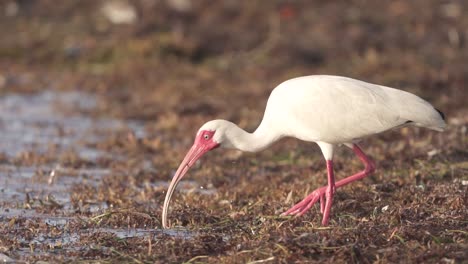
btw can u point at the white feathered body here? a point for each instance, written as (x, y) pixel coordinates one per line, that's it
(334, 109)
(329, 110)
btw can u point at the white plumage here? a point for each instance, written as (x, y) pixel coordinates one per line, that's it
(337, 109)
(328, 110)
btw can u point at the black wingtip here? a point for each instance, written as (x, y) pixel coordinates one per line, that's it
(440, 113)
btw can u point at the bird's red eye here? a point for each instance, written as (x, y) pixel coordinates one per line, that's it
(206, 136)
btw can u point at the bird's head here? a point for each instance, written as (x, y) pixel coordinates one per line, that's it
(210, 136)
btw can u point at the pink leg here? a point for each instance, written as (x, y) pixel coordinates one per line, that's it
(328, 193)
(324, 192)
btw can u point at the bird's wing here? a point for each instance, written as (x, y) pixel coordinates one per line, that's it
(361, 109)
(336, 110)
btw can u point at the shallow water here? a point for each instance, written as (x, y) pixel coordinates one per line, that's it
(22, 185)
(36, 122)
(58, 123)
(64, 238)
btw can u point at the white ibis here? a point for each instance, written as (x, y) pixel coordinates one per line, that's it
(328, 110)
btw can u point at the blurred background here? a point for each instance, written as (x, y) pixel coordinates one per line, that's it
(99, 100)
(151, 57)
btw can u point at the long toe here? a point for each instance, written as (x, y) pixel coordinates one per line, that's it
(296, 208)
(306, 208)
(303, 206)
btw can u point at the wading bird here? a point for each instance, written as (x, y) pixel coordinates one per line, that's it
(328, 110)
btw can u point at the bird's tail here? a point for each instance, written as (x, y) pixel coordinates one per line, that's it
(419, 112)
(440, 113)
(434, 120)
(413, 110)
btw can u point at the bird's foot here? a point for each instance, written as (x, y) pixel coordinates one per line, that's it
(324, 195)
(303, 206)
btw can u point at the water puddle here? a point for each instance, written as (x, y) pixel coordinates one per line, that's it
(22, 186)
(37, 123)
(139, 232)
(60, 238)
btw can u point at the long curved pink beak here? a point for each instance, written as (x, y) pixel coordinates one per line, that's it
(195, 152)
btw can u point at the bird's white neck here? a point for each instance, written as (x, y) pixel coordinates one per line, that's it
(251, 142)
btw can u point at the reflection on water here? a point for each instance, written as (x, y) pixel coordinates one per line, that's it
(36, 123)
